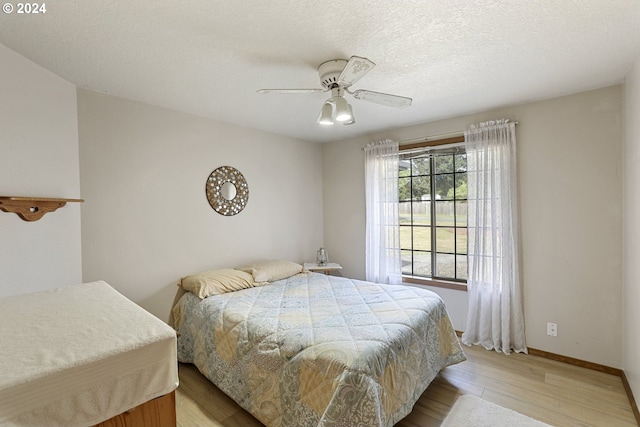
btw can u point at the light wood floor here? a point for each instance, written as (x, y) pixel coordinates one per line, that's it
(552, 392)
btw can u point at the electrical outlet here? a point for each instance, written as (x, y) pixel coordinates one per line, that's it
(552, 329)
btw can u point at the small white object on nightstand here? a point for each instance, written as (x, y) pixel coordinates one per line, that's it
(326, 268)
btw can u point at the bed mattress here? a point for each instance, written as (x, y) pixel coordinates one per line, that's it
(79, 355)
(318, 350)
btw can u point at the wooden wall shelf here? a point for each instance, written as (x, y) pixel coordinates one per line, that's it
(32, 208)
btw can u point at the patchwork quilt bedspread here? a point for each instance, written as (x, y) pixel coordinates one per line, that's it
(319, 350)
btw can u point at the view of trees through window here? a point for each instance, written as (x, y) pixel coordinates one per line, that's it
(433, 214)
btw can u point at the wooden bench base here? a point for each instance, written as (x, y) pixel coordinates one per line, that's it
(159, 412)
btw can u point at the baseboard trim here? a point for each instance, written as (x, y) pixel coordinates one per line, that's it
(589, 365)
(632, 400)
(576, 362)
(595, 367)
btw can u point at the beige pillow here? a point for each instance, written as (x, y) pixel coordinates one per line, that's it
(271, 270)
(215, 282)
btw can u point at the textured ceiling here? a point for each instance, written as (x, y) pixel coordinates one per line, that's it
(208, 57)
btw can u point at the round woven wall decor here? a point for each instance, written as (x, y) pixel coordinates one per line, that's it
(227, 191)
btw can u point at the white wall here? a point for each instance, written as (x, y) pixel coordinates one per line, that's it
(569, 164)
(631, 229)
(39, 157)
(146, 219)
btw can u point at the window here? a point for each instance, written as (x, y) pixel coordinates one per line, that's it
(433, 212)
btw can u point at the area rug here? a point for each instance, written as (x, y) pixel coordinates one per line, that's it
(472, 411)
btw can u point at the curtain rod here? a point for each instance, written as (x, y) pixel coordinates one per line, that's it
(430, 137)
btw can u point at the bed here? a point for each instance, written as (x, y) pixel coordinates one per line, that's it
(81, 355)
(319, 350)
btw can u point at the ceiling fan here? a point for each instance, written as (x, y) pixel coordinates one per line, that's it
(337, 75)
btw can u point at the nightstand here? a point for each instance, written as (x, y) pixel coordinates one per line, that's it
(326, 269)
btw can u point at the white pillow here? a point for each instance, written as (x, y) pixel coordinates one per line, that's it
(271, 270)
(215, 282)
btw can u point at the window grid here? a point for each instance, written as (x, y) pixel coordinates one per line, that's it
(455, 174)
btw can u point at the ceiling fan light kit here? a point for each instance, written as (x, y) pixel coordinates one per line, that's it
(342, 110)
(336, 76)
(326, 114)
(352, 120)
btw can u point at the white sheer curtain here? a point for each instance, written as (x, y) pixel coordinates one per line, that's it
(495, 318)
(382, 253)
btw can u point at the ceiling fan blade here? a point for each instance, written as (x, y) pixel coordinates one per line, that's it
(291, 91)
(382, 98)
(354, 70)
